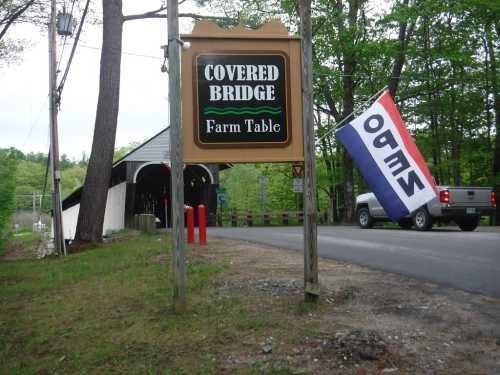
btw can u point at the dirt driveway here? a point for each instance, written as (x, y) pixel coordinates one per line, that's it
(371, 322)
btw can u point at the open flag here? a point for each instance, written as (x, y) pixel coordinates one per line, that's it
(388, 158)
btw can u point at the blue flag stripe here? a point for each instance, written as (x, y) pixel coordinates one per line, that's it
(385, 194)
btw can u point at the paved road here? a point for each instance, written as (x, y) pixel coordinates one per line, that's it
(465, 260)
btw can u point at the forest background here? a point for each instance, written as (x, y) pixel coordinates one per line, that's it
(439, 59)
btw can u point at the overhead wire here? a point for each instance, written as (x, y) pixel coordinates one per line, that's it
(126, 53)
(35, 122)
(73, 49)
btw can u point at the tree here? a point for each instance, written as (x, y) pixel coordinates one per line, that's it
(95, 190)
(17, 11)
(7, 190)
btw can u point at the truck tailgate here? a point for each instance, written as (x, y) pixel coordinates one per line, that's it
(473, 196)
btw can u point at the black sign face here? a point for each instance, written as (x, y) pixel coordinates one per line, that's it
(241, 100)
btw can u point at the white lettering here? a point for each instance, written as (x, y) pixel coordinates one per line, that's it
(242, 92)
(212, 127)
(251, 73)
(210, 124)
(273, 72)
(241, 72)
(262, 127)
(219, 72)
(215, 93)
(262, 72)
(227, 93)
(231, 69)
(208, 75)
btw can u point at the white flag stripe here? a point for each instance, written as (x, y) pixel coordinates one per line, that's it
(379, 154)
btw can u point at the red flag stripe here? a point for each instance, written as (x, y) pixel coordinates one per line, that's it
(391, 109)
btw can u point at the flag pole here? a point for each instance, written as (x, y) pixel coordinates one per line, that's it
(354, 111)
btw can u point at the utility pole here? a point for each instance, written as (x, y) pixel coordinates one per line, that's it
(174, 95)
(34, 212)
(54, 142)
(311, 287)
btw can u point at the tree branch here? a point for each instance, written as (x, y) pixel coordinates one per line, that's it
(156, 14)
(14, 17)
(150, 14)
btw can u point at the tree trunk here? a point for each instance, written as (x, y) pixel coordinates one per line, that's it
(496, 106)
(95, 191)
(348, 107)
(405, 32)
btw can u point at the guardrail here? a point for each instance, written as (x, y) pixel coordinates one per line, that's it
(249, 219)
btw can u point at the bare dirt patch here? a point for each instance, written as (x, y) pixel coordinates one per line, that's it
(368, 322)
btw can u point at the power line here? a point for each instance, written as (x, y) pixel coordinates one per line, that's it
(77, 38)
(35, 122)
(126, 53)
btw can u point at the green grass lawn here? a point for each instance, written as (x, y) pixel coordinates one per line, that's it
(108, 310)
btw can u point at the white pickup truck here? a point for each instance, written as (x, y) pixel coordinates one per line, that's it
(463, 205)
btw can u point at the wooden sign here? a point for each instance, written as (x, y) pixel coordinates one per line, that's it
(241, 100)
(241, 95)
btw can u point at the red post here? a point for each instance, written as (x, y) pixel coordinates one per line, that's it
(202, 225)
(190, 224)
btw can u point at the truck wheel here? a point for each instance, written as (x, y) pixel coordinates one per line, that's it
(405, 223)
(422, 219)
(365, 220)
(468, 224)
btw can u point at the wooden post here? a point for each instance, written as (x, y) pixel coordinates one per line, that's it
(54, 142)
(177, 188)
(311, 285)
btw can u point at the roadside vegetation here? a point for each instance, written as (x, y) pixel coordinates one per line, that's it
(107, 310)
(7, 190)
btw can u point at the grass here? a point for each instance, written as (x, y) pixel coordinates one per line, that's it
(20, 241)
(108, 310)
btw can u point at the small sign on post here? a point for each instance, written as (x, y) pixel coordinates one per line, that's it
(298, 185)
(297, 170)
(221, 198)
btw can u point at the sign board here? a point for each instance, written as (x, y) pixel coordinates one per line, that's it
(241, 100)
(221, 198)
(297, 170)
(241, 89)
(298, 185)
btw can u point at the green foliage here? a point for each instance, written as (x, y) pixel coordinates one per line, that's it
(30, 177)
(13, 12)
(243, 188)
(120, 152)
(242, 184)
(7, 189)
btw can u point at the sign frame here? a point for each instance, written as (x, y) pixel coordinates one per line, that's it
(271, 39)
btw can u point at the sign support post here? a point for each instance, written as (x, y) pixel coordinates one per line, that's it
(311, 285)
(174, 94)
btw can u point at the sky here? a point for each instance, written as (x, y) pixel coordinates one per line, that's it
(24, 116)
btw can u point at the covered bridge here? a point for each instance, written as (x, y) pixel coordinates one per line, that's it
(140, 183)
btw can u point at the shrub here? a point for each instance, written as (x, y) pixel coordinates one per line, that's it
(7, 191)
